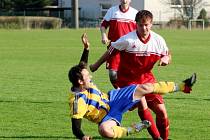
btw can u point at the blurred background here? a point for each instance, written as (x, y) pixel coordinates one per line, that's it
(89, 13)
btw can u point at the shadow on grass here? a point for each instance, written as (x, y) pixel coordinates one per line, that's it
(36, 137)
(96, 138)
(36, 102)
(180, 98)
(206, 99)
(62, 137)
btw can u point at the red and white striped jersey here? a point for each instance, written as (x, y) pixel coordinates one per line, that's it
(138, 58)
(119, 22)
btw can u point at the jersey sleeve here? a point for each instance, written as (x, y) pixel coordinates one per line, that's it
(78, 107)
(108, 15)
(84, 57)
(105, 24)
(106, 20)
(120, 44)
(165, 50)
(76, 128)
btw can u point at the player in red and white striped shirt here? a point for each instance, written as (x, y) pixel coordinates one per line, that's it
(139, 51)
(120, 20)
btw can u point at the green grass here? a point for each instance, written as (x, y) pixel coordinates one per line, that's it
(34, 85)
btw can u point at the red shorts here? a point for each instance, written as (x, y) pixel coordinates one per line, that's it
(113, 62)
(154, 99)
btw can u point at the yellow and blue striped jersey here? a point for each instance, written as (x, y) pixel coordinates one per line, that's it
(91, 104)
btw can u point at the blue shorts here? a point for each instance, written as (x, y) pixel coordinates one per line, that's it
(120, 101)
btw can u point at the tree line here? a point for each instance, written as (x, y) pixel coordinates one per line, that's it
(19, 5)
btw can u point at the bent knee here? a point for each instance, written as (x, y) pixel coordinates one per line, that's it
(147, 88)
(106, 132)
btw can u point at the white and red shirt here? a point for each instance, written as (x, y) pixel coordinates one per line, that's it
(138, 57)
(119, 22)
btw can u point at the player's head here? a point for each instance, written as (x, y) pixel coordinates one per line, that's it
(144, 20)
(79, 76)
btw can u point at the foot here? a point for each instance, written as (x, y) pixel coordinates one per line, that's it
(139, 127)
(188, 83)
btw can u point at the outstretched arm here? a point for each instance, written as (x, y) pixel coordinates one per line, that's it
(86, 44)
(100, 61)
(115, 47)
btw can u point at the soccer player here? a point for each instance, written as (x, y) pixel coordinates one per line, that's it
(120, 20)
(87, 101)
(139, 51)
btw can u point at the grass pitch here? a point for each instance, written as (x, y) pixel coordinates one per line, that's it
(34, 85)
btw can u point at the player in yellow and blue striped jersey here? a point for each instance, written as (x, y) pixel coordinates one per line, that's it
(107, 109)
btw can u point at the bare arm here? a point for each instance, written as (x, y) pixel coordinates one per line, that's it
(104, 38)
(111, 51)
(100, 61)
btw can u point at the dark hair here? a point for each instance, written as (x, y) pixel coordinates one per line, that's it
(75, 73)
(143, 14)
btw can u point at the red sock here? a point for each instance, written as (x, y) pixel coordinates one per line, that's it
(146, 115)
(163, 127)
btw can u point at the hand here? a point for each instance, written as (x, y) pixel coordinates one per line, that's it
(85, 41)
(165, 60)
(86, 138)
(93, 67)
(104, 39)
